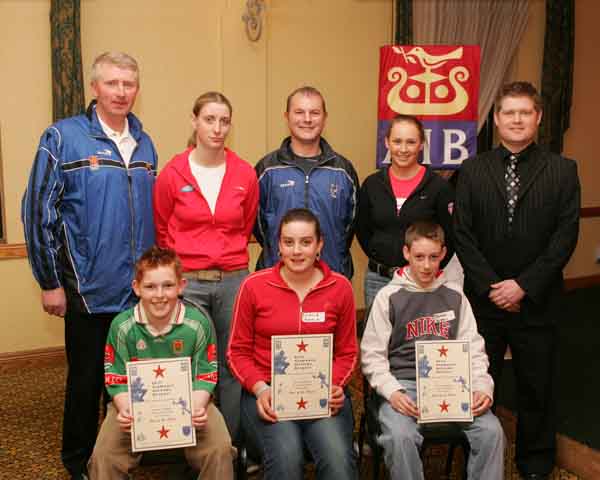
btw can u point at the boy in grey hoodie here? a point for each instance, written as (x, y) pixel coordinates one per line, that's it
(418, 291)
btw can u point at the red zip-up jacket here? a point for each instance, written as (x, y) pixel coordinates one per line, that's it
(185, 223)
(266, 306)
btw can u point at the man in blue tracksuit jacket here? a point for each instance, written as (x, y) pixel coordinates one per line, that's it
(306, 172)
(87, 214)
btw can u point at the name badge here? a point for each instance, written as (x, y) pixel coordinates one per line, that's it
(444, 316)
(313, 317)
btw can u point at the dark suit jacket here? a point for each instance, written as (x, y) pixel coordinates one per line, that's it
(543, 235)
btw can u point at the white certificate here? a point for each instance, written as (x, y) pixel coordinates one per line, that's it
(301, 375)
(444, 381)
(160, 401)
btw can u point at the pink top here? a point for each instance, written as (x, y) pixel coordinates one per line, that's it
(403, 188)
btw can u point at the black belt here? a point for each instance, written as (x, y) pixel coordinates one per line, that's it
(381, 269)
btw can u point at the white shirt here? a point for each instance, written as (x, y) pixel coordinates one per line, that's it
(124, 141)
(176, 318)
(209, 179)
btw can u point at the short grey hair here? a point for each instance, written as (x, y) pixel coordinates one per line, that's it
(120, 59)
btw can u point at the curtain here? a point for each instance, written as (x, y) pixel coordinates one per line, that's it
(496, 26)
(403, 22)
(67, 76)
(557, 72)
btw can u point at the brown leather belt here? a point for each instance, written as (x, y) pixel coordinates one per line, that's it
(210, 275)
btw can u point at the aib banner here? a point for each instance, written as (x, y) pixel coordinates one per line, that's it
(439, 85)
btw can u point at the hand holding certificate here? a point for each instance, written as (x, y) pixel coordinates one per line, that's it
(301, 376)
(160, 393)
(444, 381)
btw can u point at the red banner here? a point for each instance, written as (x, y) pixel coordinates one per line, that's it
(439, 85)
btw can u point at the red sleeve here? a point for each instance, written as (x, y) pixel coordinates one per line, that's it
(163, 207)
(251, 204)
(345, 352)
(240, 351)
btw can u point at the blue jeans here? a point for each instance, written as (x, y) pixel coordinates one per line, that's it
(401, 441)
(218, 298)
(373, 283)
(329, 441)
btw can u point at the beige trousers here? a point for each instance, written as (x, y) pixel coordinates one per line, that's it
(212, 456)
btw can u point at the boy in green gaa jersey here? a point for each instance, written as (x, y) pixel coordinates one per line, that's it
(161, 326)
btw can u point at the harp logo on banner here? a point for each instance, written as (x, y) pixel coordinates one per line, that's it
(438, 84)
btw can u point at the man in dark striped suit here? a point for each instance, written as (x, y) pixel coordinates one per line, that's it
(516, 224)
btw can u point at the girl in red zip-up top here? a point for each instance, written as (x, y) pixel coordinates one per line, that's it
(205, 202)
(298, 295)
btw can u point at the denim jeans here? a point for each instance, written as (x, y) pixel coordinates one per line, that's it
(328, 440)
(401, 442)
(373, 283)
(218, 298)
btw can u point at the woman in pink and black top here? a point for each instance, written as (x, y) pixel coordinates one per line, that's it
(393, 198)
(299, 295)
(205, 202)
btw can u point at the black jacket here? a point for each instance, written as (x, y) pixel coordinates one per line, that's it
(380, 230)
(544, 229)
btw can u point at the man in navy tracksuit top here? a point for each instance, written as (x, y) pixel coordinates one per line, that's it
(87, 214)
(306, 172)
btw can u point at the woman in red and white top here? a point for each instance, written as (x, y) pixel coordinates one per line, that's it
(396, 196)
(299, 295)
(205, 202)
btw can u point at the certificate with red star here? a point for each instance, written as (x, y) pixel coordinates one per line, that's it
(301, 375)
(160, 401)
(443, 369)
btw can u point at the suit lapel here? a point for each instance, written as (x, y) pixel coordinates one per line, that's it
(495, 166)
(538, 163)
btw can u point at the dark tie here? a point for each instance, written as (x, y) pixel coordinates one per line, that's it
(512, 186)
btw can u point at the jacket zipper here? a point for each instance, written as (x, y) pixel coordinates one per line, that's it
(132, 240)
(129, 187)
(129, 195)
(307, 175)
(301, 303)
(306, 191)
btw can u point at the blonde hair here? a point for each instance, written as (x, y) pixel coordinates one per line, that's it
(201, 101)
